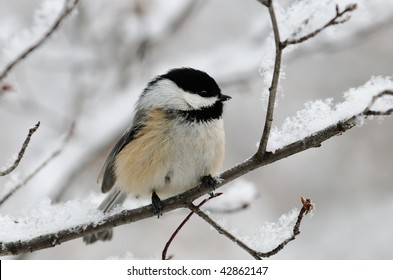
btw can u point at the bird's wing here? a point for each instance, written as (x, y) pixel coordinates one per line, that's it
(108, 170)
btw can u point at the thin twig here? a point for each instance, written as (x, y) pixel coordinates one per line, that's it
(369, 112)
(274, 85)
(221, 230)
(68, 7)
(164, 252)
(21, 152)
(306, 208)
(334, 21)
(53, 155)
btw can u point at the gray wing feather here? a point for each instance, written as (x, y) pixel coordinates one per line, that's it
(108, 170)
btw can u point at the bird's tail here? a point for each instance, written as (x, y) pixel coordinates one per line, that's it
(114, 198)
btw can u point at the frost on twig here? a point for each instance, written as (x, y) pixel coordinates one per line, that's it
(68, 7)
(340, 17)
(53, 155)
(21, 152)
(307, 206)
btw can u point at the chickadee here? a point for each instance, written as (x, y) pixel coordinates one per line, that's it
(176, 140)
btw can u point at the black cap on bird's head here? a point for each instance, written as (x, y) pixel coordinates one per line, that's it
(196, 82)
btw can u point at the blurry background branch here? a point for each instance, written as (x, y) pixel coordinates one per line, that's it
(41, 166)
(21, 152)
(68, 7)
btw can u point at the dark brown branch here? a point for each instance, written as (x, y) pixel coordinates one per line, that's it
(338, 19)
(68, 7)
(275, 79)
(307, 206)
(221, 230)
(164, 252)
(53, 155)
(21, 152)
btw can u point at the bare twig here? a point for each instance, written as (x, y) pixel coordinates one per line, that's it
(338, 19)
(164, 252)
(274, 85)
(68, 7)
(221, 230)
(54, 154)
(21, 152)
(307, 206)
(369, 112)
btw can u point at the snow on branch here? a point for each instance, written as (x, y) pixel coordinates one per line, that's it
(21, 152)
(373, 98)
(340, 17)
(285, 222)
(68, 7)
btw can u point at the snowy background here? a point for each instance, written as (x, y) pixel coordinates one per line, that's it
(92, 70)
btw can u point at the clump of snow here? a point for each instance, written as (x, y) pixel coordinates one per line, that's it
(318, 115)
(271, 234)
(235, 196)
(46, 218)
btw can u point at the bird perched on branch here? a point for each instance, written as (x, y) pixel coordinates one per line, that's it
(175, 141)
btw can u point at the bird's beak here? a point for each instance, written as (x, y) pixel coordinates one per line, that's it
(225, 97)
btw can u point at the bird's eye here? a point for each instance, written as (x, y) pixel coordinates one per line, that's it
(203, 93)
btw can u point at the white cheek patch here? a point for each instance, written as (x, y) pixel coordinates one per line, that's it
(196, 101)
(166, 94)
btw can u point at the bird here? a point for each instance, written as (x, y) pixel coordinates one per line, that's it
(176, 140)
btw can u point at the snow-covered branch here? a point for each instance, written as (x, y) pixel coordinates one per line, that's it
(307, 206)
(339, 18)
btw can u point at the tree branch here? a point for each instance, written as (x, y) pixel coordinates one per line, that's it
(306, 208)
(275, 79)
(334, 21)
(181, 200)
(68, 7)
(53, 155)
(21, 152)
(164, 252)
(280, 46)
